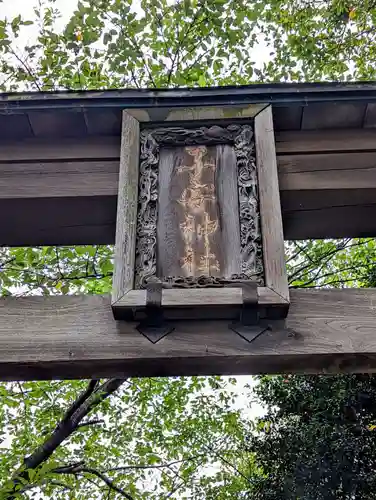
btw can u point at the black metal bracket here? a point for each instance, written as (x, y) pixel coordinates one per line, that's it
(154, 327)
(249, 326)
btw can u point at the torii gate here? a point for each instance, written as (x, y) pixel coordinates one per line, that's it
(60, 158)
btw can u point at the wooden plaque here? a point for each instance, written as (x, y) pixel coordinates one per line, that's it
(207, 218)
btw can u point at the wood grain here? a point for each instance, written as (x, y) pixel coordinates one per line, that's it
(228, 209)
(58, 179)
(320, 162)
(327, 331)
(199, 296)
(223, 209)
(71, 211)
(170, 245)
(271, 218)
(347, 171)
(166, 114)
(125, 241)
(200, 303)
(65, 149)
(322, 141)
(331, 115)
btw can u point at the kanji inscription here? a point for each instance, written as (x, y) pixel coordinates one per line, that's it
(198, 199)
(198, 218)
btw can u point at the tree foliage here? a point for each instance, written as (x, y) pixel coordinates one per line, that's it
(317, 439)
(320, 39)
(152, 439)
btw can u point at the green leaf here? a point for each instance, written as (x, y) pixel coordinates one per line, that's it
(202, 80)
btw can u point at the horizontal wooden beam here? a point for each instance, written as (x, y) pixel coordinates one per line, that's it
(215, 303)
(327, 331)
(66, 193)
(328, 183)
(35, 149)
(46, 179)
(324, 141)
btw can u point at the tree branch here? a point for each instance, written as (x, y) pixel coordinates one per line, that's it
(80, 400)
(156, 466)
(105, 479)
(90, 422)
(93, 396)
(78, 470)
(330, 253)
(28, 70)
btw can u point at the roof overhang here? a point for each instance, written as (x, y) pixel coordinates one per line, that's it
(301, 106)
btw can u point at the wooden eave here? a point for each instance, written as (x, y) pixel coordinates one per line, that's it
(59, 157)
(304, 106)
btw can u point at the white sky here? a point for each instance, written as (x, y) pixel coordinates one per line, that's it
(12, 8)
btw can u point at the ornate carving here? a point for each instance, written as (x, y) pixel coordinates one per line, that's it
(241, 137)
(249, 213)
(146, 243)
(178, 136)
(202, 281)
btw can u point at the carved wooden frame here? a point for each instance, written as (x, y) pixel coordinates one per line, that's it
(220, 303)
(241, 137)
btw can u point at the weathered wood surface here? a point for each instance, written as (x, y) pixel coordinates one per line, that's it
(328, 183)
(321, 195)
(220, 203)
(58, 179)
(347, 171)
(215, 303)
(57, 221)
(331, 115)
(165, 114)
(228, 207)
(327, 331)
(102, 147)
(271, 219)
(65, 149)
(329, 214)
(126, 222)
(318, 141)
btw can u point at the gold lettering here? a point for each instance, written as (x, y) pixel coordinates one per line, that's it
(194, 199)
(188, 228)
(208, 261)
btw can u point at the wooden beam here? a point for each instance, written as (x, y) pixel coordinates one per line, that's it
(311, 172)
(126, 226)
(35, 149)
(57, 221)
(215, 303)
(328, 182)
(270, 211)
(327, 331)
(44, 179)
(329, 213)
(66, 193)
(319, 141)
